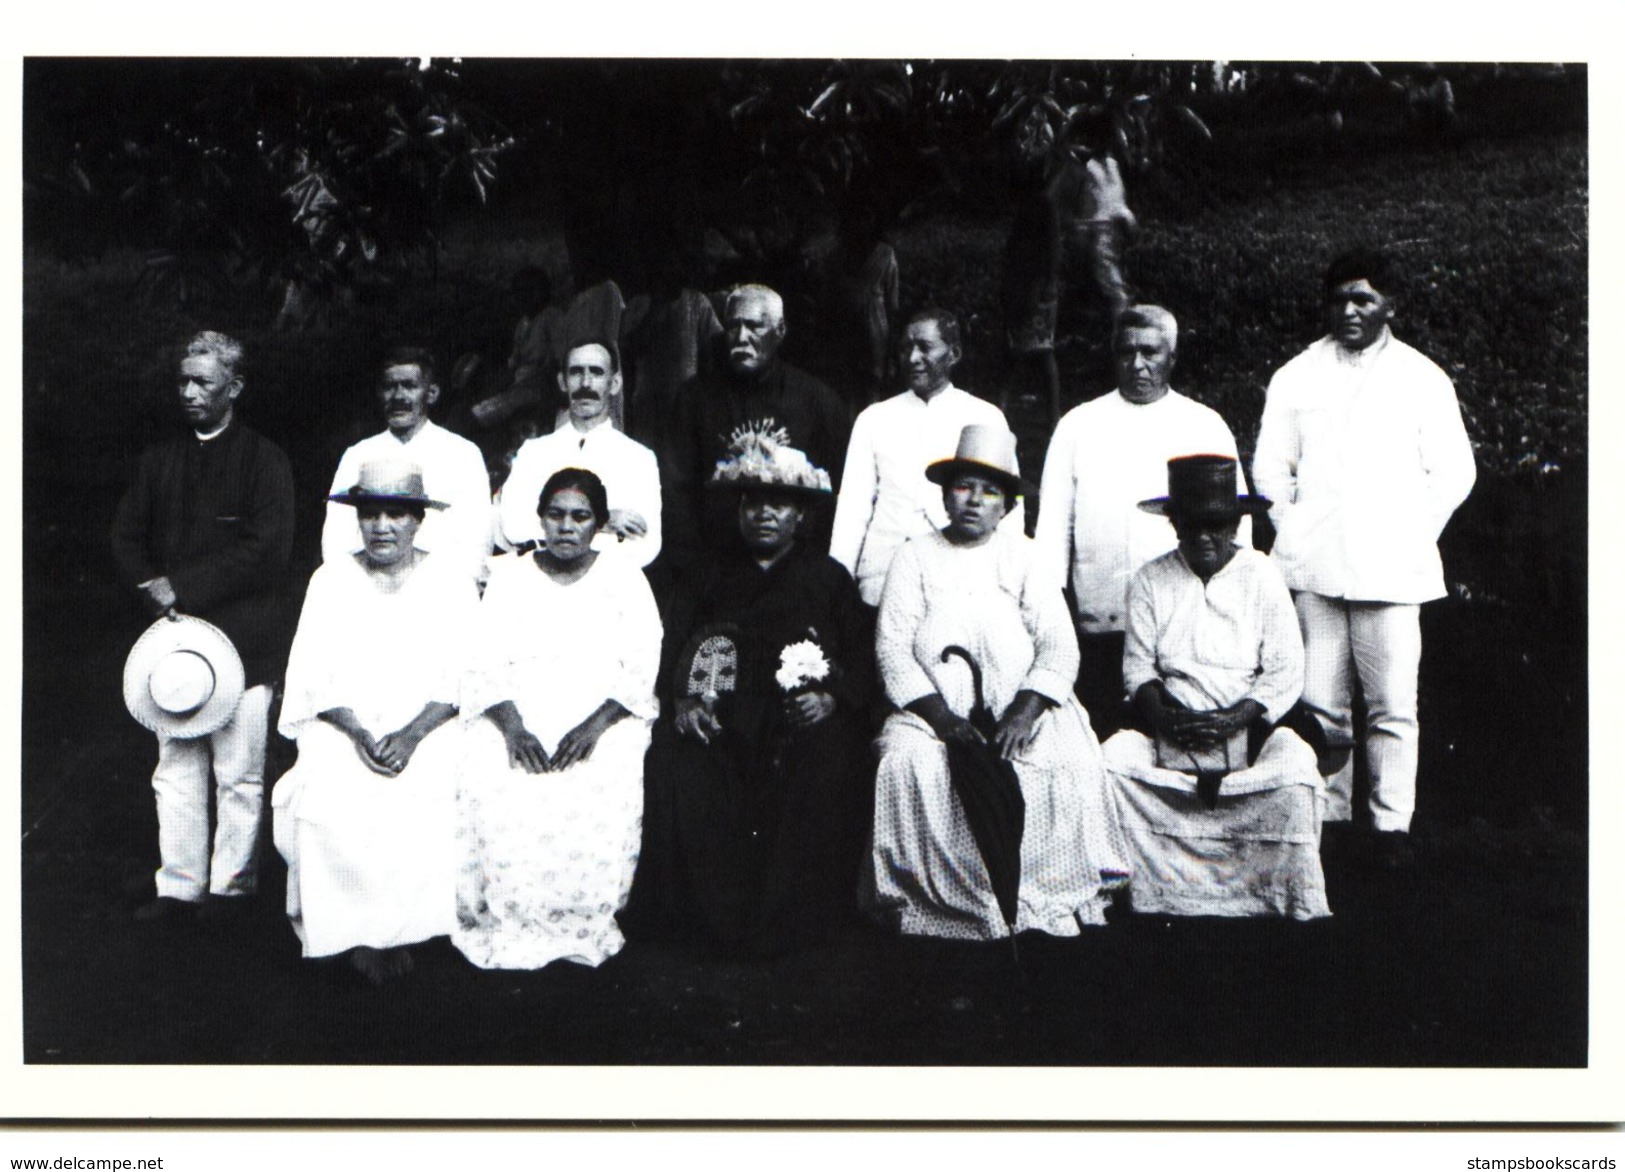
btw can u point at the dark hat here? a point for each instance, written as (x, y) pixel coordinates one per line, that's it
(984, 450)
(1203, 488)
(388, 482)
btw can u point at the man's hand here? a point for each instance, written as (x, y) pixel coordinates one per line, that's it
(806, 709)
(1018, 727)
(160, 594)
(697, 720)
(627, 523)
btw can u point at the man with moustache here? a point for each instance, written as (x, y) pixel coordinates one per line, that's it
(756, 390)
(885, 497)
(453, 469)
(591, 381)
(206, 530)
(1363, 452)
(1106, 456)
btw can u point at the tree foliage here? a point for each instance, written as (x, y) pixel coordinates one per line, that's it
(315, 175)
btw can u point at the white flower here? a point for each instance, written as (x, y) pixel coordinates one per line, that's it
(801, 663)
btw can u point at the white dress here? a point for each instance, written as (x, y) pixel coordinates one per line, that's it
(927, 872)
(371, 859)
(547, 858)
(1213, 644)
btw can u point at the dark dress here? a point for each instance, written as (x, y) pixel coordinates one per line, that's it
(754, 843)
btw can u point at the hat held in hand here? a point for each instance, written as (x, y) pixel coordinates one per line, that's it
(183, 678)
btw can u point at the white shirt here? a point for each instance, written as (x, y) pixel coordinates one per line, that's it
(630, 472)
(1214, 644)
(1365, 458)
(885, 498)
(453, 472)
(1106, 456)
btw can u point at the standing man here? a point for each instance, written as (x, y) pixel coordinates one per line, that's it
(453, 469)
(1106, 456)
(591, 382)
(207, 530)
(756, 390)
(885, 497)
(1363, 451)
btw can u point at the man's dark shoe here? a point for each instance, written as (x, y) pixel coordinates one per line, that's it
(164, 910)
(1393, 850)
(219, 911)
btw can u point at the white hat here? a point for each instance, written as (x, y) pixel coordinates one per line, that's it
(183, 678)
(983, 450)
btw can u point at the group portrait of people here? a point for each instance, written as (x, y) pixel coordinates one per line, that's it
(739, 662)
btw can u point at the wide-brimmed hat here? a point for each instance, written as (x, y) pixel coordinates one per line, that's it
(183, 678)
(1203, 488)
(984, 450)
(388, 482)
(761, 460)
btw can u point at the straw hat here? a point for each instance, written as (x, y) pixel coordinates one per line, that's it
(984, 450)
(388, 482)
(762, 459)
(1203, 488)
(183, 678)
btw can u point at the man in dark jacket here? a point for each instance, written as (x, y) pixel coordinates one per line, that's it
(207, 530)
(757, 390)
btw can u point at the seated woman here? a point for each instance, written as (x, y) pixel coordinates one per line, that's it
(758, 782)
(558, 707)
(364, 817)
(970, 586)
(1219, 802)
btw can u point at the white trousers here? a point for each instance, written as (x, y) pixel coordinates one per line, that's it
(235, 756)
(1381, 643)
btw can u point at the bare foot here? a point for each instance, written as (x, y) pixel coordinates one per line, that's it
(380, 965)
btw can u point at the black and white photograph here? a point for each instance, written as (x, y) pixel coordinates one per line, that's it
(647, 568)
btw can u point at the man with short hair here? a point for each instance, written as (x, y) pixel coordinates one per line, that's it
(453, 469)
(206, 529)
(885, 497)
(755, 390)
(1363, 452)
(1106, 456)
(591, 382)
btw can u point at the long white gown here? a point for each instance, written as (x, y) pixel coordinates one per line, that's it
(548, 858)
(1213, 644)
(927, 873)
(371, 859)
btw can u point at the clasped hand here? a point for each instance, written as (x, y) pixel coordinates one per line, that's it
(1199, 730)
(697, 719)
(390, 754)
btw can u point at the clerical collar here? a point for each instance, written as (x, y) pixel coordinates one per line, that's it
(204, 438)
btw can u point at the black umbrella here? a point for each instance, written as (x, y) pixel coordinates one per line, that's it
(990, 794)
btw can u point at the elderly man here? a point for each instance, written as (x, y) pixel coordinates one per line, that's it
(591, 381)
(756, 390)
(1107, 455)
(206, 530)
(1363, 451)
(453, 469)
(885, 497)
